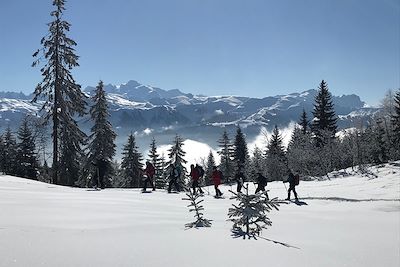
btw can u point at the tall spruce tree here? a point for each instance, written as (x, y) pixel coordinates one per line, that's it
(63, 96)
(209, 169)
(101, 145)
(240, 152)
(10, 153)
(382, 145)
(396, 124)
(275, 157)
(161, 180)
(26, 152)
(226, 153)
(131, 164)
(324, 115)
(304, 123)
(2, 154)
(156, 161)
(176, 156)
(71, 156)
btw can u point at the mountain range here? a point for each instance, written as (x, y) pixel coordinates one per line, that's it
(149, 111)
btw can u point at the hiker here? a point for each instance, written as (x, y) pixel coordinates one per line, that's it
(98, 177)
(173, 177)
(149, 171)
(239, 177)
(195, 174)
(261, 183)
(200, 171)
(293, 181)
(217, 177)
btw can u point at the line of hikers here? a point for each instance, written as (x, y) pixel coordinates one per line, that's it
(197, 174)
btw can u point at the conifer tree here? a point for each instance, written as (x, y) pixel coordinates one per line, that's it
(324, 114)
(156, 161)
(257, 163)
(101, 141)
(176, 156)
(249, 216)
(381, 155)
(209, 169)
(131, 164)
(71, 156)
(196, 207)
(2, 153)
(301, 153)
(240, 152)
(304, 123)
(63, 98)
(10, 153)
(226, 153)
(161, 181)
(275, 157)
(26, 152)
(396, 124)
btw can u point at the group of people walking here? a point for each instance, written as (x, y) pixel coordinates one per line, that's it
(197, 174)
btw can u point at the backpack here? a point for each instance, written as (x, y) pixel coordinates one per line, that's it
(296, 179)
(201, 171)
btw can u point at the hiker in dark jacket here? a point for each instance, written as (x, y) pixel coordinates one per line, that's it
(239, 177)
(149, 171)
(173, 177)
(217, 177)
(292, 184)
(195, 175)
(100, 170)
(261, 183)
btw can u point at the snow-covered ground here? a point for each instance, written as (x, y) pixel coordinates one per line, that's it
(345, 221)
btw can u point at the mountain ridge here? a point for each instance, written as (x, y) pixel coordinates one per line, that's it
(137, 107)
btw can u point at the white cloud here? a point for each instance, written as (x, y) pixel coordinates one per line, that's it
(262, 138)
(147, 131)
(219, 112)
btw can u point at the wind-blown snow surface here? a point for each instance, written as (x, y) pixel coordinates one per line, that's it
(46, 225)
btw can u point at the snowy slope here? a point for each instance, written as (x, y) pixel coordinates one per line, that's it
(47, 225)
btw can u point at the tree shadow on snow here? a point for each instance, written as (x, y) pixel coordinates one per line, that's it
(239, 233)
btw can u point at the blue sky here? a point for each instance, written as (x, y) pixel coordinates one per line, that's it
(242, 47)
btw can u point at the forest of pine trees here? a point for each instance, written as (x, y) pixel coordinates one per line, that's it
(81, 160)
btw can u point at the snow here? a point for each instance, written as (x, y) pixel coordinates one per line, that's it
(46, 225)
(125, 103)
(7, 104)
(230, 100)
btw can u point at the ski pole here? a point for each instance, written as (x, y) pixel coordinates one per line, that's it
(285, 186)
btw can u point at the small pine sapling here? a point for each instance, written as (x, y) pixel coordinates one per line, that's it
(195, 205)
(249, 216)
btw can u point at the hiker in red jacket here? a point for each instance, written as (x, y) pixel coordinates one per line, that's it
(195, 174)
(149, 171)
(217, 177)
